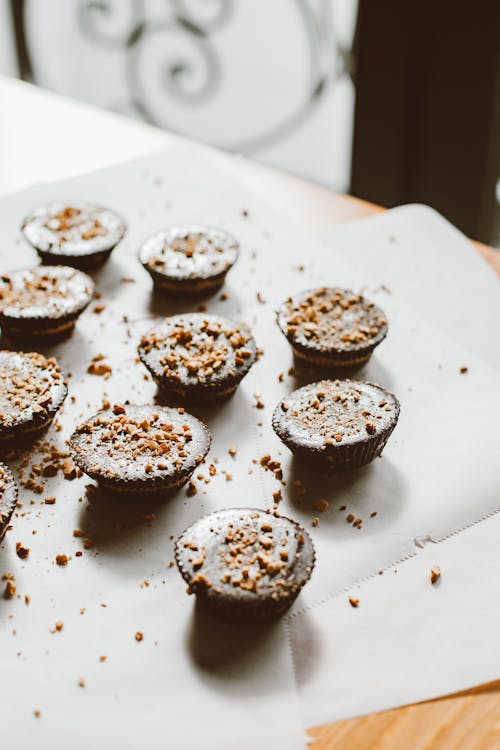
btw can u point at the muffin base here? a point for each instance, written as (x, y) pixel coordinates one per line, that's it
(84, 262)
(196, 287)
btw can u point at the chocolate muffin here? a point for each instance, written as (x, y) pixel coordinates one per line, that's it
(189, 259)
(198, 357)
(330, 327)
(245, 565)
(339, 424)
(140, 448)
(43, 302)
(32, 390)
(8, 498)
(81, 235)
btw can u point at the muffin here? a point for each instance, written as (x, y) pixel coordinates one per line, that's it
(43, 302)
(198, 357)
(332, 328)
(245, 565)
(32, 390)
(140, 448)
(338, 424)
(189, 259)
(8, 498)
(81, 235)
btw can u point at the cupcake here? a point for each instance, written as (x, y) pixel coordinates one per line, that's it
(198, 357)
(43, 302)
(245, 565)
(189, 259)
(32, 390)
(338, 424)
(81, 235)
(332, 328)
(140, 448)
(8, 498)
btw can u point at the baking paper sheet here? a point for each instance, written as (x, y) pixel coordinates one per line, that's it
(422, 486)
(408, 640)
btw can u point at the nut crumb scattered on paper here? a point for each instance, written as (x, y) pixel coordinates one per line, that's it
(435, 573)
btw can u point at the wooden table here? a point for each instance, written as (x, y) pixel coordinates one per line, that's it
(44, 137)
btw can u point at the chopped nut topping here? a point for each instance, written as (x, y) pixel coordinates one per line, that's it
(22, 551)
(435, 573)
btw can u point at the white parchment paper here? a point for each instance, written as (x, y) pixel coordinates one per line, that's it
(190, 678)
(412, 641)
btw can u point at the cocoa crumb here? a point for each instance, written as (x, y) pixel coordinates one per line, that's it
(22, 551)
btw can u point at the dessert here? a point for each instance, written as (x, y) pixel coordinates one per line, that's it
(140, 448)
(80, 234)
(43, 301)
(340, 424)
(245, 565)
(32, 390)
(189, 259)
(197, 356)
(330, 327)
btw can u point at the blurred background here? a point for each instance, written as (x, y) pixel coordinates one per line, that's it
(392, 101)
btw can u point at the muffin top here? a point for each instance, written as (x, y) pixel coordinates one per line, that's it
(73, 229)
(190, 252)
(332, 319)
(245, 553)
(197, 348)
(44, 292)
(139, 443)
(334, 412)
(32, 388)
